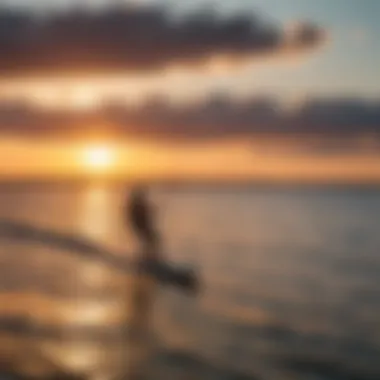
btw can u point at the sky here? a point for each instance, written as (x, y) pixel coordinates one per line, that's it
(348, 65)
(210, 99)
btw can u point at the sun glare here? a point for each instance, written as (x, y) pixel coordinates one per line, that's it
(99, 157)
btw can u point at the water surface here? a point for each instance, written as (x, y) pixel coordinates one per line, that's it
(292, 283)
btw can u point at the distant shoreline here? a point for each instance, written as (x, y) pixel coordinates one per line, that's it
(174, 184)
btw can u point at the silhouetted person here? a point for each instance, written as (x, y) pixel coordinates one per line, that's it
(139, 214)
(141, 217)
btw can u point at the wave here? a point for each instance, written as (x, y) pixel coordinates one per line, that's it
(70, 243)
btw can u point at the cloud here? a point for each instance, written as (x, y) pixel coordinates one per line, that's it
(218, 118)
(139, 39)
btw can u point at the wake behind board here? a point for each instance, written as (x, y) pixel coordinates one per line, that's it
(183, 277)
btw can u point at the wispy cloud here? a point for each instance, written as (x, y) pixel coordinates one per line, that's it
(217, 118)
(360, 36)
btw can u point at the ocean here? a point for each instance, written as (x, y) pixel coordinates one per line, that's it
(290, 284)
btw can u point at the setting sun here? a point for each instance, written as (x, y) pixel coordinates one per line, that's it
(99, 157)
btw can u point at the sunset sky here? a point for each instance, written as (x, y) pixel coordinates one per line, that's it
(234, 90)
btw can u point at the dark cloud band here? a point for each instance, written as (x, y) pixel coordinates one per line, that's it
(138, 39)
(217, 118)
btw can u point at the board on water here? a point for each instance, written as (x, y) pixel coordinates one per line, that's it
(183, 277)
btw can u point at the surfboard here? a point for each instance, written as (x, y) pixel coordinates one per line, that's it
(183, 277)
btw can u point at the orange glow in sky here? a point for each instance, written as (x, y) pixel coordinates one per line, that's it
(99, 158)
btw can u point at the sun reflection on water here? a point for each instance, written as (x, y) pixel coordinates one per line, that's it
(96, 212)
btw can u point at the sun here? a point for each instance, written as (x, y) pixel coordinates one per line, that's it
(99, 157)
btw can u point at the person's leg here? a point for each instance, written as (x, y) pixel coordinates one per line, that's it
(156, 265)
(151, 244)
